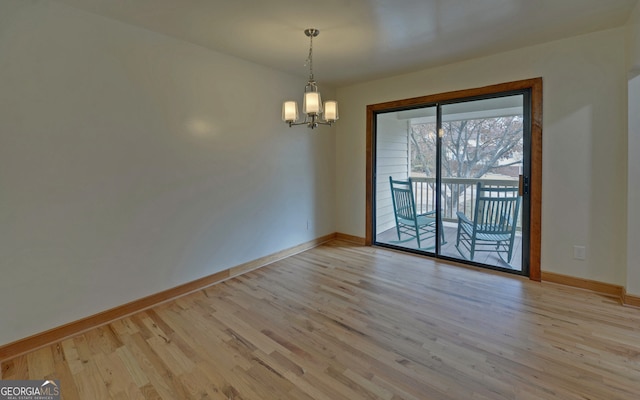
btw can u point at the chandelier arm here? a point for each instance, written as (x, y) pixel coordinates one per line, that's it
(311, 124)
(296, 123)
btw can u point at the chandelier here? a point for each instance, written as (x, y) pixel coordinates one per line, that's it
(312, 106)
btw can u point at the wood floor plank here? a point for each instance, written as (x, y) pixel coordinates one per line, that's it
(67, 381)
(41, 363)
(344, 321)
(15, 369)
(133, 368)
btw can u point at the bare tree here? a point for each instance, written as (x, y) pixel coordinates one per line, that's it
(470, 148)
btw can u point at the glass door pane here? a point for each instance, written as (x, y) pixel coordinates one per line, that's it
(482, 159)
(405, 179)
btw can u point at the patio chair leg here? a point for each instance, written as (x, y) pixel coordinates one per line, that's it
(442, 241)
(473, 248)
(510, 254)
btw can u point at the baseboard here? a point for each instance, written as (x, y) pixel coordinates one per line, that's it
(595, 286)
(631, 300)
(350, 238)
(57, 334)
(261, 262)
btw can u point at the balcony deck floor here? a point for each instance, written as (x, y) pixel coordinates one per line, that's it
(449, 249)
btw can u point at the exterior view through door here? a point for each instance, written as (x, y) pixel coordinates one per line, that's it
(450, 179)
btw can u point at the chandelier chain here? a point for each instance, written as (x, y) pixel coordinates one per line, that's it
(310, 58)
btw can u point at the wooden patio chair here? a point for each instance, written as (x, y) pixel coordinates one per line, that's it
(493, 228)
(409, 223)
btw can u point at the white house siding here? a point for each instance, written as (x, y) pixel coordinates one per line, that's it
(392, 150)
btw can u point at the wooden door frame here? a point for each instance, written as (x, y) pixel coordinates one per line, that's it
(535, 180)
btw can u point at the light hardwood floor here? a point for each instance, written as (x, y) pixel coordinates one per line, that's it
(343, 321)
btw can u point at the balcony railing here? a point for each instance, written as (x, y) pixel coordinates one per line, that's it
(459, 194)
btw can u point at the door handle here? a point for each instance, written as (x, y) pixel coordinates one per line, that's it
(523, 185)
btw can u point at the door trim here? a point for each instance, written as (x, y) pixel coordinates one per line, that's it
(535, 211)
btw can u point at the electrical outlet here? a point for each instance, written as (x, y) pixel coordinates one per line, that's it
(579, 252)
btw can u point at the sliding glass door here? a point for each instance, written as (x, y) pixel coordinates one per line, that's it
(451, 179)
(483, 157)
(400, 158)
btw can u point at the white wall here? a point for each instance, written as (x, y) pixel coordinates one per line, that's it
(633, 161)
(131, 163)
(633, 41)
(633, 185)
(584, 143)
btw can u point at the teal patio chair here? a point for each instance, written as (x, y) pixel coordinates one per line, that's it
(409, 224)
(493, 228)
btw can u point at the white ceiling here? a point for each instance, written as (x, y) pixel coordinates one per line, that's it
(363, 39)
